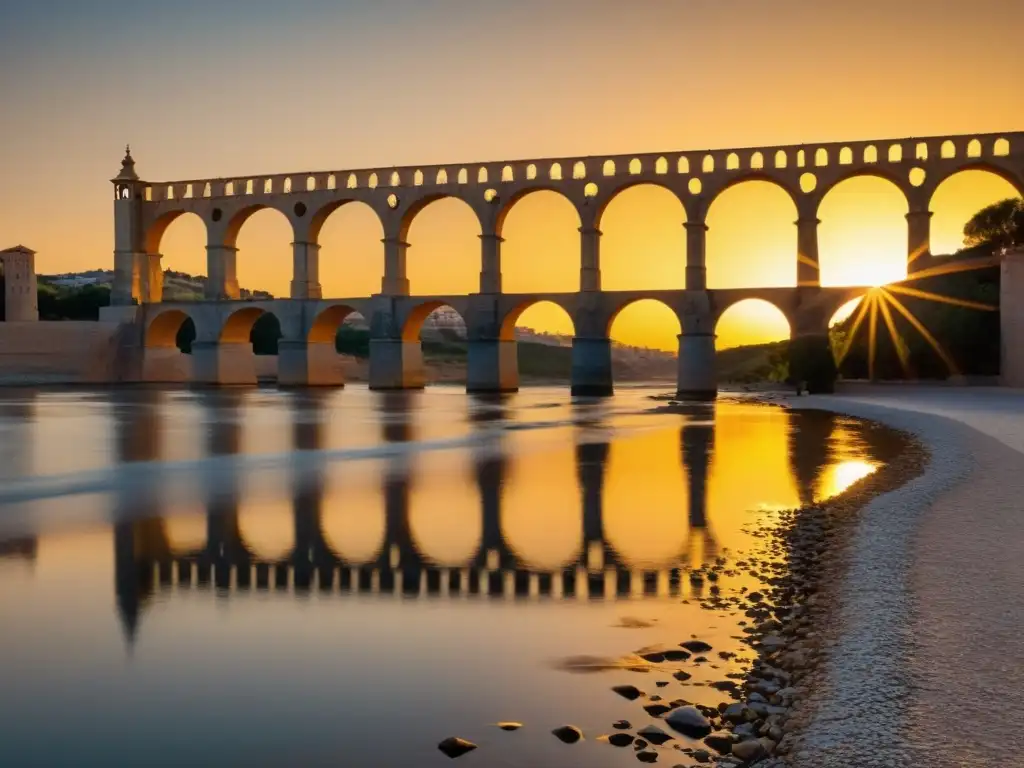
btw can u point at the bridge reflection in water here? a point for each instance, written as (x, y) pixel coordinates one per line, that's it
(718, 472)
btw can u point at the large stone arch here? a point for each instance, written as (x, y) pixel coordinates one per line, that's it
(413, 208)
(324, 327)
(354, 535)
(878, 171)
(713, 194)
(163, 327)
(266, 532)
(235, 220)
(320, 216)
(508, 320)
(162, 359)
(156, 229)
(626, 183)
(730, 245)
(784, 300)
(411, 321)
(1015, 180)
(613, 310)
(237, 325)
(506, 205)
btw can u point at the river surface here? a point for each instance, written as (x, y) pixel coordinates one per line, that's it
(267, 578)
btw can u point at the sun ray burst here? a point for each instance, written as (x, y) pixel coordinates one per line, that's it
(902, 351)
(917, 293)
(919, 326)
(862, 310)
(953, 268)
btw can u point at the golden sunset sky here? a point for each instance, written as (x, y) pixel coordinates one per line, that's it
(230, 87)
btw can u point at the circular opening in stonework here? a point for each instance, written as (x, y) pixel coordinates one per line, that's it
(590, 190)
(917, 176)
(695, 186)
(491, 195)
(300, 209)
(392, 201)
(216, 215)
(808, 182)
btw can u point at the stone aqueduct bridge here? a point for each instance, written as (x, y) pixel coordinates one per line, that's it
(222, 353)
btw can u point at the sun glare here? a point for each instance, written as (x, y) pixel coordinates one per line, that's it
(862, 239)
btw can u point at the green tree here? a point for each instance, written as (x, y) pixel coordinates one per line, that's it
(998, 226)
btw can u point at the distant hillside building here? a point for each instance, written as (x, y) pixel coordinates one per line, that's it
(20, 291)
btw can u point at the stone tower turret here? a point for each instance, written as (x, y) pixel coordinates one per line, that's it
(20, 293)
(137, 275)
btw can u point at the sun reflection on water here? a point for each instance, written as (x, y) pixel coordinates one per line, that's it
(838, 477)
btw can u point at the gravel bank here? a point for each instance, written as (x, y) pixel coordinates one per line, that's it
(923, 667)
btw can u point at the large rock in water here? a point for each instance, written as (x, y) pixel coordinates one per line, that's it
(570, 734)
(689, 722)
(696, 646)
(654, 735)
(456, 747)
(630, 692)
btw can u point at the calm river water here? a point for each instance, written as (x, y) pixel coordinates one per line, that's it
(346, 578)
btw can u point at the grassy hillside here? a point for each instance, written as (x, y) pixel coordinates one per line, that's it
(754, 363)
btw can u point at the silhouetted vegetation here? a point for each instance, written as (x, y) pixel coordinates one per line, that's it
(811, 364)
(968, 337)
(967, 334)
(997, 226)
(754, 363)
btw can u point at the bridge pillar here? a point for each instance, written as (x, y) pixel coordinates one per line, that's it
(591, 366)
(394, 282)
(696, 377)
(396, 364)
(490, 263)
(492, 366)
(218, 363)
(696, 248)
(1011, 317)
(808, 272)
(151, 278)
(919, 239)
(305, 271)
(590, 259)
(308, 364)
(126, 287)
(222, 275)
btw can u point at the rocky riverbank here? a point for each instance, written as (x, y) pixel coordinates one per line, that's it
(748, 699)
(791, 625)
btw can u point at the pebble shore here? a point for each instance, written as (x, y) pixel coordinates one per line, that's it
(832, 632)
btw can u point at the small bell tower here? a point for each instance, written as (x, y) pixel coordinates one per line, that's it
(137, 275)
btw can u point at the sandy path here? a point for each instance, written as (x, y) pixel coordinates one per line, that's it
(936, 679)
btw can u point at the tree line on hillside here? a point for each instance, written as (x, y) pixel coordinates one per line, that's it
(64, 303)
